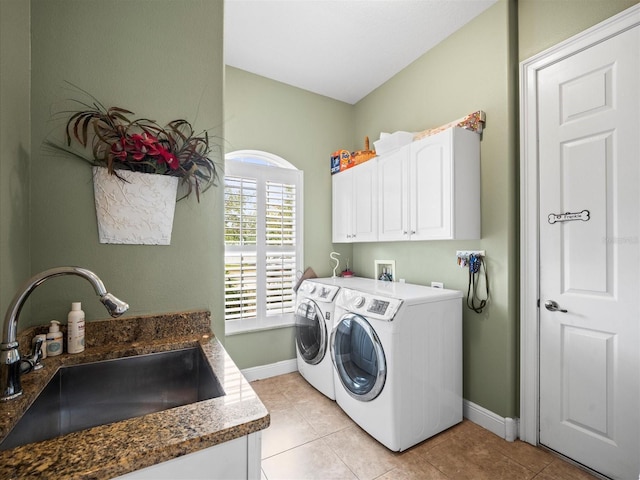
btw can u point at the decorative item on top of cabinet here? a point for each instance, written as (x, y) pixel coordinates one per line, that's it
(430, 189)
(355, 212)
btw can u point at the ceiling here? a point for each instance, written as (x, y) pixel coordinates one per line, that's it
(343, 49)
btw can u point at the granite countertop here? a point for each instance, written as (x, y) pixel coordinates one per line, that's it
(107, 451)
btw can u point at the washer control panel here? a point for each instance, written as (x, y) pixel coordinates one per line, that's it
(318, 291)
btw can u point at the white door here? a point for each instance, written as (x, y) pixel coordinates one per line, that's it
(589, 204)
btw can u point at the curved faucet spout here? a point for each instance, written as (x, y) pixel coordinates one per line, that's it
(9, 355)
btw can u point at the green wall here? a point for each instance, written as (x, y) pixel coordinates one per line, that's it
(544, 23)
(455, 78)
(303, 128)
(15, 148)
(160, 59)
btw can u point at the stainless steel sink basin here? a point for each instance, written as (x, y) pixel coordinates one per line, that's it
(84, 396)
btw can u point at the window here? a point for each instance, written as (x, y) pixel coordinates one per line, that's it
(263, 240)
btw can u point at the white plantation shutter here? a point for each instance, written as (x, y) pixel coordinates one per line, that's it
(281, 276)
(281, 215)
(240, 287)
(240, 211)
(262, 239)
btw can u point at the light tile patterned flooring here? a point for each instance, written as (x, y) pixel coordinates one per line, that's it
(311, 438)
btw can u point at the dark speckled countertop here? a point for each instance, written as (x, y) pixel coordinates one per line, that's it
(110, 450)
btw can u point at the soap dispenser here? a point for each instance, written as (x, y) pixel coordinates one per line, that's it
(75, 329)
(54, 339)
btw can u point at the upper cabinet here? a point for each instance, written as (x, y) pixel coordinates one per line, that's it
(355, 206)
(430, 189)
(427, 190)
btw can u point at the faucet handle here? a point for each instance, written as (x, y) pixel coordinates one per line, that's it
(33, 360)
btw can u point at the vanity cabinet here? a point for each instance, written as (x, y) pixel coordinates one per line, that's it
(354, 204)
(430, 189)
(237, 459)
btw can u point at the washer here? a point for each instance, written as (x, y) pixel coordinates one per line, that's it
(315, 303)
(397, 353)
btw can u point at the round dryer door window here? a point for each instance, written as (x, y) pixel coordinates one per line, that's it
(358, 357)
(311, 332)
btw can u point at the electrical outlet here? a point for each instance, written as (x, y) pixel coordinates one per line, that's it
(437, 285)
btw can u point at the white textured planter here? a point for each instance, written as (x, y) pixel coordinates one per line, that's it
(138, 211)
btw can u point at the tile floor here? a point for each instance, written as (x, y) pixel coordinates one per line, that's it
(311, 438)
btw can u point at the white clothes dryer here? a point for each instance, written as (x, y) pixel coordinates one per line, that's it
(397, 353)
(315, 303)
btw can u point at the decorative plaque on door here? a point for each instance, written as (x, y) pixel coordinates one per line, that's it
(569, 217)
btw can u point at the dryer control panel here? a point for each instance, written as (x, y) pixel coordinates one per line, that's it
(368, 305)
(378, 306)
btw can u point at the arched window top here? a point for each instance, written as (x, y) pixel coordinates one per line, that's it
(258, 157)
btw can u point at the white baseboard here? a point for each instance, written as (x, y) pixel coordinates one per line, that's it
(272, 370)
(506, 428)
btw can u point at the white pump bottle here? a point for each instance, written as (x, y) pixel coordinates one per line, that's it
(75, 329)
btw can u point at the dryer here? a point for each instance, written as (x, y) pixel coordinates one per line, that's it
(313, 323)
(397, 353)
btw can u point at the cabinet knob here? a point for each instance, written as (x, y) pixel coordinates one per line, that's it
(348, 236)
(404, 233)
(413, 232)
(353, 236)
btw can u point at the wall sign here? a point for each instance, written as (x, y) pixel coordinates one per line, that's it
(569, 217)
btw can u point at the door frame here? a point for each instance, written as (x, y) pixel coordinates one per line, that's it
(529, 212)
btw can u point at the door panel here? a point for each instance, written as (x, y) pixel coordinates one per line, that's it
(589, 147)
(588, 399)
(586, 167)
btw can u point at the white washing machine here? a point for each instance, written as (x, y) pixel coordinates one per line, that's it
(397, 353)
(315, 304)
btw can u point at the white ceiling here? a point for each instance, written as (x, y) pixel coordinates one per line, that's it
(343, 49)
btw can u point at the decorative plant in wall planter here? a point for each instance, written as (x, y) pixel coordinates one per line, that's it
(138, 168)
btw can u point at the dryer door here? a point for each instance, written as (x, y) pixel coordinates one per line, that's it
(311, 332)
(358, 357)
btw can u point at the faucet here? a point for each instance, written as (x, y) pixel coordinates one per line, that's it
(11, 365)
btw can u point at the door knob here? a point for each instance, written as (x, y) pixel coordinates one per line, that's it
(553, 306)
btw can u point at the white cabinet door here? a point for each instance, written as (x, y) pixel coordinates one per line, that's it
(237, 459)
(342, 189)
(430, 189)
(430, 202)
(355, 209)
(393, 208)
(365, 211)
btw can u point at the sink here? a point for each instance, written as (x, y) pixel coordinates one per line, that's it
(91, 394)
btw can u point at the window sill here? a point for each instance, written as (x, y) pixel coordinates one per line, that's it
(238, 327)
